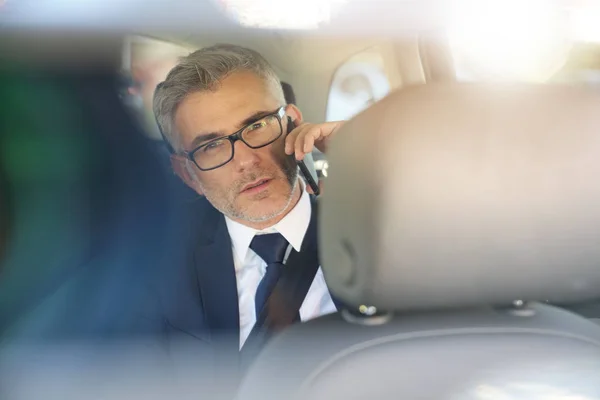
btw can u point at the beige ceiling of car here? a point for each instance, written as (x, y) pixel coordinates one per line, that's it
(292, 52)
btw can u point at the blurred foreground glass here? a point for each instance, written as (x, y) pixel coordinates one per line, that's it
(308, 14)
(87, 215)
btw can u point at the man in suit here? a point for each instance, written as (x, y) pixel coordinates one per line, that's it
(223, 112)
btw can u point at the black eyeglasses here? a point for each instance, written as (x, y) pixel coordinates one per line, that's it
(218, 152)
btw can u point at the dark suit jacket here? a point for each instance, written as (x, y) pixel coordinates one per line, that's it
(193, 301)
(197, 289)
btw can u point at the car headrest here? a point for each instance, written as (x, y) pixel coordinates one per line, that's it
(461, 195)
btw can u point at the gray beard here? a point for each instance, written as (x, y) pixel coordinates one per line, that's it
(274, 214)
(229, 211)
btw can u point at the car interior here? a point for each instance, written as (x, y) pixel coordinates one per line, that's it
(460, 216)
(452, 249)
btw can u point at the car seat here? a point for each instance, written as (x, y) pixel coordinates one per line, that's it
(455, 216)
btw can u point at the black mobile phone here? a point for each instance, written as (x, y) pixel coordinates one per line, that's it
(308, 177)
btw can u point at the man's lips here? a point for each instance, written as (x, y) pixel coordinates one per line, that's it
(257, 185)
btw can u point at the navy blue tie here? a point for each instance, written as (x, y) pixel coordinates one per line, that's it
(271, 248)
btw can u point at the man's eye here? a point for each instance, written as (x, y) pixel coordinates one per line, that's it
(213, 145)
(257, 125)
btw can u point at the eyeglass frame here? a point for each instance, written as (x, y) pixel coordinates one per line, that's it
(234, 137)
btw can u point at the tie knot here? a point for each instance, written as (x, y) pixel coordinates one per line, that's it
(271, 247)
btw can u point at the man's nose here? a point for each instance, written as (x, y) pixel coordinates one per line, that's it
(244, 156)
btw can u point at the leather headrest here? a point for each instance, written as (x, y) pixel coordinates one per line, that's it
(462, 194)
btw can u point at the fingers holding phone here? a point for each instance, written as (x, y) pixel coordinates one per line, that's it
(305, 137)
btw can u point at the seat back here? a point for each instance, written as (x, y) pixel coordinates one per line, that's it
(473, 206)
(543, 352)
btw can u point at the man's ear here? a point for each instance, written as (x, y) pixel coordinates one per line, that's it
(185, 170)
(294, 112)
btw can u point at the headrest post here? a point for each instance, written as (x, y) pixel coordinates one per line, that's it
(371, 318)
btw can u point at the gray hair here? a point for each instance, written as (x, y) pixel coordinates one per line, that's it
(203, 70)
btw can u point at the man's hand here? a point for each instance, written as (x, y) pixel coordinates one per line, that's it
(305, 137)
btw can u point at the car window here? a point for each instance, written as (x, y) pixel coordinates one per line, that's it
(579, 66)
(544, 43)
(148, 61)
(356, 84)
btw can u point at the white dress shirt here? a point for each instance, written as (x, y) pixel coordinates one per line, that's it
(250, 268)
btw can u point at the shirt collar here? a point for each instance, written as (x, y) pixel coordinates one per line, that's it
(292, 227)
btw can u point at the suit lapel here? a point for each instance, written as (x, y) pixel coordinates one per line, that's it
(213, 259)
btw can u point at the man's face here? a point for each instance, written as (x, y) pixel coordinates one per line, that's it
(240, 99)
